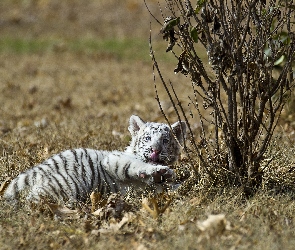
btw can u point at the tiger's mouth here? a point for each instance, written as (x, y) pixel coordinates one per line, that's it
(155, 156)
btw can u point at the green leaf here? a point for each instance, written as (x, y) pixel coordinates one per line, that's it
(170, 24)
(194, 34)
(280, 60)
(199, 6)
(267, 52)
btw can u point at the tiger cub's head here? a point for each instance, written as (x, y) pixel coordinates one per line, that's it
(156, 142)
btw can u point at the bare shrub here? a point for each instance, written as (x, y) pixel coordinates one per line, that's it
(243, 90)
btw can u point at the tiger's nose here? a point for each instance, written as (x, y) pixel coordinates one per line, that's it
(156, 148)
(155, 155)
(156, 151)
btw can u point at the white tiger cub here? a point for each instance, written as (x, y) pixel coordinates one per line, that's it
(70, 176)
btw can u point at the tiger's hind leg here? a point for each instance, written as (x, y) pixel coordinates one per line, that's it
(37, 195)
(39, 199)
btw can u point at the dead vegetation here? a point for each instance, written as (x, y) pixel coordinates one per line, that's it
(60, 98)
(250, 47)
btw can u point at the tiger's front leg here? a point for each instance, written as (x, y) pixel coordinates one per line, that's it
(157, 174)
(124, 167)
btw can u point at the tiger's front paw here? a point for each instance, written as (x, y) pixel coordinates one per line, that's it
(159, 175)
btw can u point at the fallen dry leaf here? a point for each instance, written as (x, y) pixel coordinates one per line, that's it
(63, 212)
(214, 225)
(151, 205)
(95, 199)
(114, 226)
(99, 212)
(114, 207)
(141, 247)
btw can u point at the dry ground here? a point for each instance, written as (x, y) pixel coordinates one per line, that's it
(72, 73)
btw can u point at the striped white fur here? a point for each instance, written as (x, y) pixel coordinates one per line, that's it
(72, 175)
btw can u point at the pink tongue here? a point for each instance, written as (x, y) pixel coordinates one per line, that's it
(155, 157)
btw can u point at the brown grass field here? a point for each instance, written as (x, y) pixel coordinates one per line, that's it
(72, 73)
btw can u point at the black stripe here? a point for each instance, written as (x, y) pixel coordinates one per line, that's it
(97, 189)
(64, 165)
(55, 164)
(103, 181)
(51, 166)
(113, 184)
(34, 176)
(116, 169)
(126, 171)
(108, 160)
(60, 174)
(41, 170)
(84, 168)
(58, 167)
(99, 168)
(52, 188)
(26, 180)
(80, 190)
(69, 175)
(62, 191)
(109, 181)
(74, 152)
(46, 176)
(75, 181)
(85, 151)
(91, 166)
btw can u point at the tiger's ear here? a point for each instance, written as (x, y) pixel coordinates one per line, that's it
(135, 123)
(179, 130)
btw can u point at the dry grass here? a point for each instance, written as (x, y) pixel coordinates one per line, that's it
(56, 97)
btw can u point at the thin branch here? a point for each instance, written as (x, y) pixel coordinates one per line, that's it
(156, 19)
